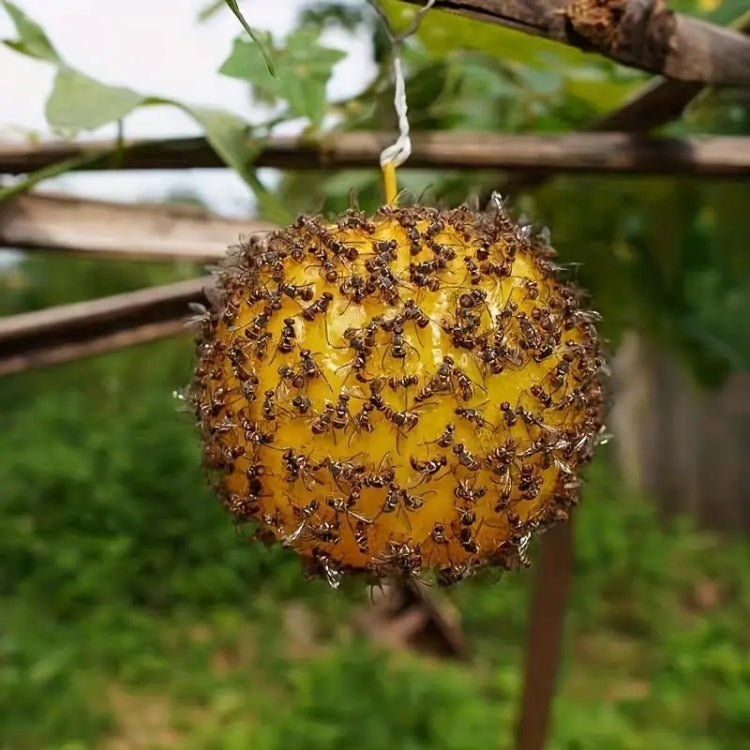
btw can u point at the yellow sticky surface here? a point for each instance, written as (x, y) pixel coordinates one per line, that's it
(444, 504)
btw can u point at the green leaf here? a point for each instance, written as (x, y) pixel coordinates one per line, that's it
(246, 62)
(302, 71)
(228, 135)
(306, 98)
(303, 55)
(78, 102)
(210, 10)
(253, 35)
(33, 40)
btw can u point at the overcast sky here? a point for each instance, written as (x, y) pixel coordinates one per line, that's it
(157, 47)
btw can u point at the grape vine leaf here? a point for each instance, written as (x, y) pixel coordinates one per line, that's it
(32, 41)
(303, 68)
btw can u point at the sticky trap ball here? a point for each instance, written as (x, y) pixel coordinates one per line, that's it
(400, 393)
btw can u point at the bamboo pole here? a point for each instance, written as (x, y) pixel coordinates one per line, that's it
(65, 332)
(588, 152)
(58, 223)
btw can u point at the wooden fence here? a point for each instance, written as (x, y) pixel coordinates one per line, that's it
(687, 446)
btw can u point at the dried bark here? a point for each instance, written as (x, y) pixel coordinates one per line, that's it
(643, 34)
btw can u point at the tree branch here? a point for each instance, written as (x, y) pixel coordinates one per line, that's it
(643, 34)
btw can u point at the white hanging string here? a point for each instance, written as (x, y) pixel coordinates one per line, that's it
(397, 153)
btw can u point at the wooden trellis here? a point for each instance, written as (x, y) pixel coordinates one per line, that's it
(642, 33)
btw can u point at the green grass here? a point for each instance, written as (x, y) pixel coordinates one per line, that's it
(134, 616)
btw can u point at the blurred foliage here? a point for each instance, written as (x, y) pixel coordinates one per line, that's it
(134, 615)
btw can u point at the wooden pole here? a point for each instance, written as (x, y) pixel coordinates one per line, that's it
(545, 636)
(587, 152)
(114, 230)
(59, 334)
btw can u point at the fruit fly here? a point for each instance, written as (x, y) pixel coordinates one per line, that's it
(473, 270)
(249, 387)
(302, 404)
(439, 382)
(465, 457)
(467, 541)
(306, 514)
(346, 471)
(288, 336)
(292, 377)
(386, 283)
(304, 292)
(508, 414)
(404, 382)
(531, 338)
(344, 506)
(464, 491)
(402, 419)
(310, 368)
(297, 466)
(360, 537)
(402, 556)
(242, 508)
(556, 377)
(323, 421)
(341, 417)
(529, 483)
(268, 408)
(361, 421)
(413, 312)
(427, 469)
(362, 341)
(541, 395)
(317, 308)
(446, 437)
(355, 289)
(438, 534)
(397, 499)
(255, 330)
(472, 299)
(261, 346)
(379, 479)
(472, 415)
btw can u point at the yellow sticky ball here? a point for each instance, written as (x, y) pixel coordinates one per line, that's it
(414, 390)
